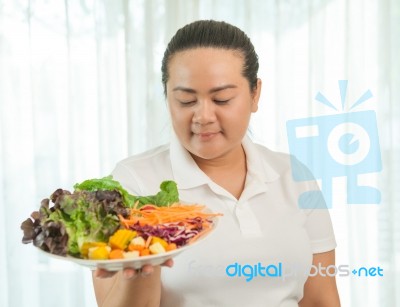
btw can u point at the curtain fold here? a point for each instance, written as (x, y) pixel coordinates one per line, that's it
(80, 89)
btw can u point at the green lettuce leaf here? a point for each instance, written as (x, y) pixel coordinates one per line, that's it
(85, 219)
(167, 195)
(105, 184)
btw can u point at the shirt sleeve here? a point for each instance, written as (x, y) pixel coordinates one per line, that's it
(320, 231)
(318, 221)
(311, 201)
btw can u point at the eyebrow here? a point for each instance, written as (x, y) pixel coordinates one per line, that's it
(213, 90)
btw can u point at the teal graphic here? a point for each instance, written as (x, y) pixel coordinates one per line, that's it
(344, 144)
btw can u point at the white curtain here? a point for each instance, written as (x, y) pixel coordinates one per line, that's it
(80, 89)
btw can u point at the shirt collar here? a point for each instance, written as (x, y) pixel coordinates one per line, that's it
(189, 175)
(257, 165)
(184, 169)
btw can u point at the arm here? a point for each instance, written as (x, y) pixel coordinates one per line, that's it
(321, 290)
(119, 291)
(128, 288)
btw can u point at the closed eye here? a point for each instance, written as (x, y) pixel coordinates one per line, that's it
(187, 103)
(221, 101)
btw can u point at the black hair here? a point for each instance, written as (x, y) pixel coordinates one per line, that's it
(215, 34)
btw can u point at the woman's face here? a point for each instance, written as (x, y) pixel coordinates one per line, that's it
(210, 101)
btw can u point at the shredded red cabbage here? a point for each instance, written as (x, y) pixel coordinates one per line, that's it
(176, 233)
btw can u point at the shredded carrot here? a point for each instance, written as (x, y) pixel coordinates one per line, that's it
(148, 241)
(176, 213)
(153, 215)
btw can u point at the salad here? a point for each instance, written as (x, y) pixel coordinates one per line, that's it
(100, 220)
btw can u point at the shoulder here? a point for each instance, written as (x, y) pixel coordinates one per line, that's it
(142, 173)
(153, 157)
(273, 156)
(280, 162)
(281, 167)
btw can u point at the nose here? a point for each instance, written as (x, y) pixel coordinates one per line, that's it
(204, 113)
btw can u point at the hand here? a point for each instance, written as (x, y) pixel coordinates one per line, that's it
(130, 273)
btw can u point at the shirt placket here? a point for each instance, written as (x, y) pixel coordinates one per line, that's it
(248, 222)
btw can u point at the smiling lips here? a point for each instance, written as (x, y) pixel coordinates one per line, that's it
(205, 136)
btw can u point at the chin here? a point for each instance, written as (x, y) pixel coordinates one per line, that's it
(208, 154)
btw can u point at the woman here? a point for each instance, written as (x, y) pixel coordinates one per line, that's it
(262, 250)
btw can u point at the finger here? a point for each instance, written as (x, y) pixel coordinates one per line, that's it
(101, 273)
(130, 273)
(146, 270)
(169, 263)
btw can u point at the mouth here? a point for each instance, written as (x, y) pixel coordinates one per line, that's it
(205, 136)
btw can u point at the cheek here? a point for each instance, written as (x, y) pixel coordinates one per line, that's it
(242, 114)
(180, 118)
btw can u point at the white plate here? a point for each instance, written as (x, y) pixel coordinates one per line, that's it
(136, 263)
(119, 264)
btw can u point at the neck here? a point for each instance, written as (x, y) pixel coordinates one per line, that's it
(228, 171)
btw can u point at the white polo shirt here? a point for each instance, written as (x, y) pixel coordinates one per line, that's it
(261, 251)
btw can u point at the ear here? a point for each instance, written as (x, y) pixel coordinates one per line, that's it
(256, 96)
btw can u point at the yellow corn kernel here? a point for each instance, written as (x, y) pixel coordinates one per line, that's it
(84, 250)
(99, 253)
(121, 238)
